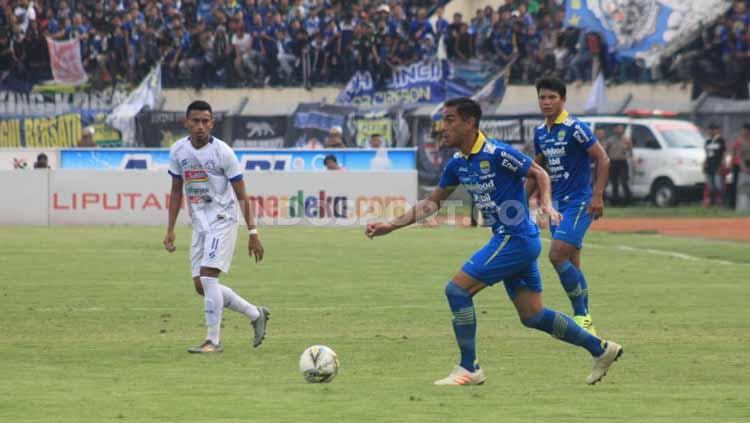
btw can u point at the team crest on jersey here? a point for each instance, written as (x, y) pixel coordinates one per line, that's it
(484, 166)
(210, 165)
(561, 135)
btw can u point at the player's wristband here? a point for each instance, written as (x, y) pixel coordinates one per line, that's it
(253, 231)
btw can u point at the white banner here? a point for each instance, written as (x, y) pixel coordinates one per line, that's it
(24, 197)
(94, 197)
(65, 61)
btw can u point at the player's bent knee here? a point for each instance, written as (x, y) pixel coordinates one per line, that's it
(452, 291)
(557, 256)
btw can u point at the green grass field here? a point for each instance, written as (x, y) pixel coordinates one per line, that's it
(95, 323)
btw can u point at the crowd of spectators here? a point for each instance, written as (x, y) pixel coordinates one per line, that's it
(218, 42)
(719, 61)
(308, 42)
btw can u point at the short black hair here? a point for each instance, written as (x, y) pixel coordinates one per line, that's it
(376, 134)
(199, 105)
(330, 157)
(41, 156)
(552, 84)
(746, 126)
(713, 125)
(466, 108)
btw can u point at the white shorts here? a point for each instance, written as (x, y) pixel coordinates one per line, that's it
(213, 248)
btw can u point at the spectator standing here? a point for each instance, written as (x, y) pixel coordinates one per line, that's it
(619, 148)
(743, 178)
(713, 166)
(742, 139)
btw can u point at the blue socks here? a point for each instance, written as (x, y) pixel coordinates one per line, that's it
(464, 324)
(575, 285)
(564, 328)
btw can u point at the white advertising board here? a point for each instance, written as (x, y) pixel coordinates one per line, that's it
(95, 197)
(24, 159)
(24, 194)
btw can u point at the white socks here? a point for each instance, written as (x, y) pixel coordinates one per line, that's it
(213, 304)
(234, 302)
(215, 298)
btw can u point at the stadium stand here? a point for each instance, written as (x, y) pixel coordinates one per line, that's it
(243, 43)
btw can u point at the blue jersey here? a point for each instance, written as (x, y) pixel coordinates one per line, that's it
(565, 147)
(493, 174)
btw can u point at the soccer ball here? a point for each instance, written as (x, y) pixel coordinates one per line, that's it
(319, 364)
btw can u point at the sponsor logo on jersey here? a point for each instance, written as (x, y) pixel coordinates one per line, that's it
(511, 158)
(579, 135)
(199, 175)
(481, 187)
(554, 152)
(508, 165)
(487, 176)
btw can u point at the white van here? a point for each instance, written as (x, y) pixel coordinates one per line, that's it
(668, 156)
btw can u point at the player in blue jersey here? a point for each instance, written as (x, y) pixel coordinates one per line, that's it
(494, 173)
(568, 148)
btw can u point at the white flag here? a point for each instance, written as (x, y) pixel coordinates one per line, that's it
(598, 98)
(148, 92)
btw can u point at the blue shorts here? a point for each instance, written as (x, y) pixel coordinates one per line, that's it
(511, 259)
(575, 223)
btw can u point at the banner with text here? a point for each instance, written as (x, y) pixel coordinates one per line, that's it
(41, 131)
(421, 82)
(51, 102)
(81, 197)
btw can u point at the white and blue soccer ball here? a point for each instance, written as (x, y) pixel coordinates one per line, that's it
(319, 364)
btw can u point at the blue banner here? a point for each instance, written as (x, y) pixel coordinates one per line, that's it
(273, 160)
(421, 82)
(629, 27)
(311, 123)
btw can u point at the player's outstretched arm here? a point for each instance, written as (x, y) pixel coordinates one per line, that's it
(175, 200)
(544, 186)
(254, 246)
(422, 210)
(599, 156)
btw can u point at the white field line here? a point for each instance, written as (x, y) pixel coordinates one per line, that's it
(654, 252)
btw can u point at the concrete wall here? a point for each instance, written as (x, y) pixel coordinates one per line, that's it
(262, 102)
(519, 99)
